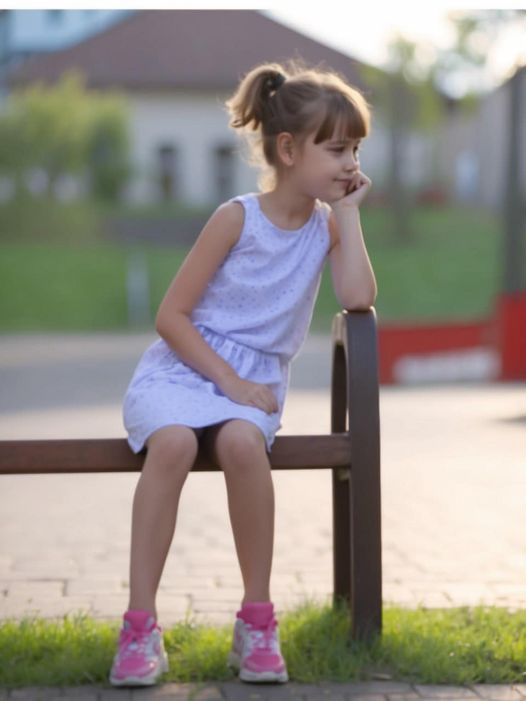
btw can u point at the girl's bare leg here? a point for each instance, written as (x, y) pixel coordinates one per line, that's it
(239, 448)
(171, 453)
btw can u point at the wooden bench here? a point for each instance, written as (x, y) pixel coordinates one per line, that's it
(351, 451)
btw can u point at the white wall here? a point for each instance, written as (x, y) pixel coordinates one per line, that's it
(194, 123)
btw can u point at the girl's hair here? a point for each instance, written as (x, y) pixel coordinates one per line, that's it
(271, 99)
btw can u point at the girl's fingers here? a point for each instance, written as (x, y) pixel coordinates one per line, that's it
(267, 402)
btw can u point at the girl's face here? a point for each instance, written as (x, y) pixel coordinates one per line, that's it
(324, 170)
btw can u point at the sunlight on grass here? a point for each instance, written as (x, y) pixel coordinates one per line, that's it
(453, 646)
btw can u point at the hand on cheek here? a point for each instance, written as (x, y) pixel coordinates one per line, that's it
(357, 189)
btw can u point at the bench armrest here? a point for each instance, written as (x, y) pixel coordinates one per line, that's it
(355, 374)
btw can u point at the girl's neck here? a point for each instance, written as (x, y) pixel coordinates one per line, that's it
(285, 209)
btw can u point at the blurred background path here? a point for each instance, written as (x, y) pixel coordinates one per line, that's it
(453, 493)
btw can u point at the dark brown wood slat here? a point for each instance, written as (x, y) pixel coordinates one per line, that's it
(114, 455)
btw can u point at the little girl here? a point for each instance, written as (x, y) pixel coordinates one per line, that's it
(235, 315)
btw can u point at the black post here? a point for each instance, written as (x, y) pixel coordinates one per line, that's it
(356, 491)
(341, 503)
(514, 215)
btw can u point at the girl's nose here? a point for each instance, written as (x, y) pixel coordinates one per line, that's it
(353, 163)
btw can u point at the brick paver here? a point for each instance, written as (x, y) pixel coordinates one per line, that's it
(236, 691)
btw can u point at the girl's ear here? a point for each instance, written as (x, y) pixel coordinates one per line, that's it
(286, 148)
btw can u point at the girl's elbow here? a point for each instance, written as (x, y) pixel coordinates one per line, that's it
(354, 301)
(358, 305)
(167, 320)
(159, 325)
(160, 321)
(163, 321)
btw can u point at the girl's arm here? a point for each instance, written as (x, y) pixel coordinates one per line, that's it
(173, 322)
(352, 273)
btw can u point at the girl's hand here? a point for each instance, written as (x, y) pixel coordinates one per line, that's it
(250, 393)
(357, 189)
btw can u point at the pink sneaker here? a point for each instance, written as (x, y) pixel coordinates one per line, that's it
(256, 653)
(140, 658)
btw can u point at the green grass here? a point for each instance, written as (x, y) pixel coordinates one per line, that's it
(450, 271)
(428, 646)
(55, 288)
(55, 281)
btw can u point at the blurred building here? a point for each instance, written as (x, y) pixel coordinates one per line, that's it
(24, 33)
(475, 148)
(176, 68)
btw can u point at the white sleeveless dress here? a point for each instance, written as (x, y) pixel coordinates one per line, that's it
(255, 314)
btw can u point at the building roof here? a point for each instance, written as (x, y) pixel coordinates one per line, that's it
(182, 49)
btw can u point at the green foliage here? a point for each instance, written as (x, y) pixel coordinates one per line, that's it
(65, 130)
(29, 220)
(108, 149)
(426, 646)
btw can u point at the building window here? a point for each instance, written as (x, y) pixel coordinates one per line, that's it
(224, 172)
(167, 156)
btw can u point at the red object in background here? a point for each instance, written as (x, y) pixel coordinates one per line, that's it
(395, 342)
(434, 196)
(505, 333)
(511, 332)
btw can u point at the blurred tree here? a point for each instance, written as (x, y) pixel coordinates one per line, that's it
(406, 93)
(108, 149)
(476, 31)
(475, 34)
(64, 129)
(11, 150)
(415, 88)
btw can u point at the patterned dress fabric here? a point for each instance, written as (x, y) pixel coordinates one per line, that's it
(255, 313)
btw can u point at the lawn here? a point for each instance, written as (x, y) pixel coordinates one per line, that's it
(434, 646)
(449, 271)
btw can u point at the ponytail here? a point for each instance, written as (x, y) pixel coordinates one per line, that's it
(250, 106)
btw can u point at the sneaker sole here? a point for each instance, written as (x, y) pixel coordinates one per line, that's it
(247, 675)
(150, 680)
(263, 677)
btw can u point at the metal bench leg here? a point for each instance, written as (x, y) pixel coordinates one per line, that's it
(356, 501)
(341, 503)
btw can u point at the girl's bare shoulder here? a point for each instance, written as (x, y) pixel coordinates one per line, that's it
(227, 222)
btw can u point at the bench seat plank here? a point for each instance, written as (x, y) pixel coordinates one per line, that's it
(114, 455)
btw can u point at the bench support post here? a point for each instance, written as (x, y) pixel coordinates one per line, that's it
(356, 492)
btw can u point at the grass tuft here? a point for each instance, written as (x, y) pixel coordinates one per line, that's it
(426, 646)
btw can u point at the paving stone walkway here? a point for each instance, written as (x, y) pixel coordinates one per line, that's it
(237, 691)
(453, 504)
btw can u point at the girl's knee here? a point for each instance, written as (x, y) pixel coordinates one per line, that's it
(173, 446)
(239, 443)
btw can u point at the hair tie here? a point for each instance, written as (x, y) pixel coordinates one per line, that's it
(276, 81)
